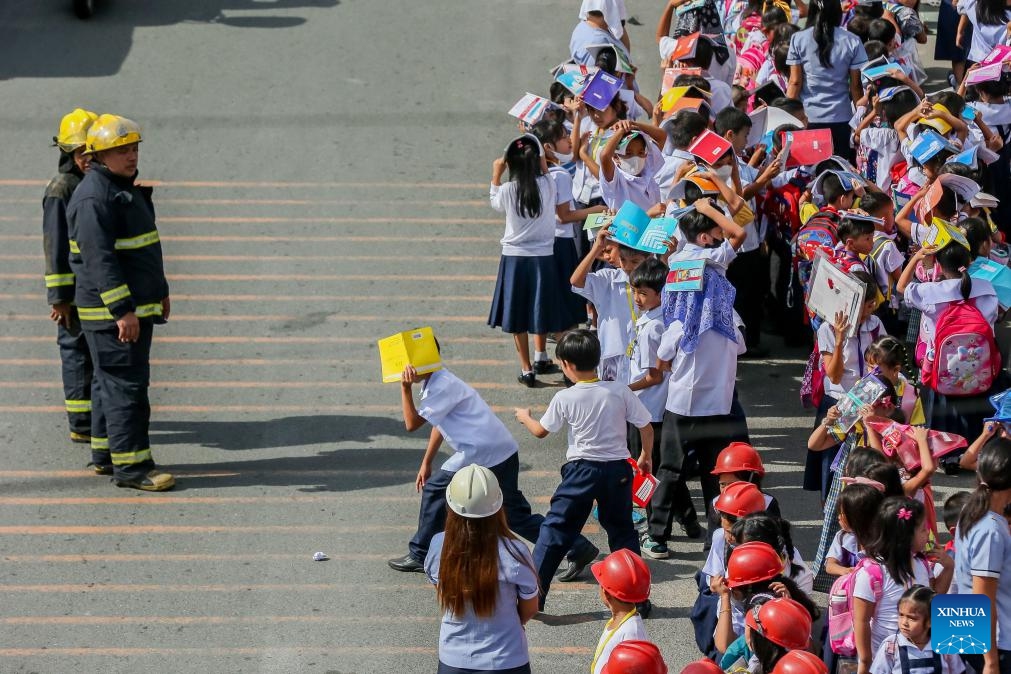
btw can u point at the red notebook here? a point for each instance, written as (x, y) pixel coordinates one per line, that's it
(684, 48)
(807, 148)
(709, 147)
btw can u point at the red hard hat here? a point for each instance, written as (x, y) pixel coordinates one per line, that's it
(800, 662)
(739, 457)
(782, 621)
(702, 667)
(635, 657)
(752, 563)
(624, 576)
(740, 499)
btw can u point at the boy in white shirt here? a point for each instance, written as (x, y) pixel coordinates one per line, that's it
(611, 295)
(460, 416)
(596, 467)
(700, 347)
(644, 378)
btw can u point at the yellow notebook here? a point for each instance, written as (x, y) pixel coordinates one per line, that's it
(414, 347)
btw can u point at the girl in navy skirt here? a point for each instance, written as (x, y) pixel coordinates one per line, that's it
(527, 299)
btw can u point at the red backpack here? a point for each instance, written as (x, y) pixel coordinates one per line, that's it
(781, 207)
(964, 359)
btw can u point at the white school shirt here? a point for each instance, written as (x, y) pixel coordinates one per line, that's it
(585, 187)
(672, 161)
(994, 114)
(885, 620)
(465, 421)
(633, 629)
(648, 330)
(525, 236)
(754, 233)
(596, 413)
(854, 366)
(641, 190)
(887, 659)
(701, 383)
(609, 292)
(984, 36)
(563, 188)
(722, 94)
(844, 543)
(884, 141)
(934, 296)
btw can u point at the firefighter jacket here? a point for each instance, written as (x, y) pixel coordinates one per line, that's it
(55, 237)
(115, 251)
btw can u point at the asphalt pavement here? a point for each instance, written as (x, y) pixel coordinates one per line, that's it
(320, 171)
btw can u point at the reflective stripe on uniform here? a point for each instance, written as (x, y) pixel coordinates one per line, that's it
(103, 314)
(116, 294)
(73, 247)
(79, 406)
(130, 458)
(138, 241)
(58, 280)
(99, 443)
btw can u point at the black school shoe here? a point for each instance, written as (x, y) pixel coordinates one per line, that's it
(407, 564)
(576, 565)
(545, 367)
(527, 379)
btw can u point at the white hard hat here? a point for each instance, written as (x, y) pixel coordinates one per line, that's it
(474, 492)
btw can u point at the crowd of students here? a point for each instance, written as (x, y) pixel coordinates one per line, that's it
(774, 156)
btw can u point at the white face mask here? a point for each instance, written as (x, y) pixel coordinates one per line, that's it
(632, 165)
(725, 173)
(563, 158)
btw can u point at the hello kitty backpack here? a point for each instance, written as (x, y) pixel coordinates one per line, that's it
(963, 360)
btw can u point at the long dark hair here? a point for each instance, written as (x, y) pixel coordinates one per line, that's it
(765, 587)
(994, 470)
(991, 12)
(767, 529)
(524, 160)
(955, 260)
(468, 567)
(859, 503)
(767, 652)
(824, 16)
(898, 519)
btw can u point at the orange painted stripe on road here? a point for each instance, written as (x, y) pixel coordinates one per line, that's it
(249, 278)
(272, 184)
(290, 238)
(333, 472)
(247, 362)
(194, 297)
(260, 318)
(291, 651)
(211, 500)
(213, 339)
(216, 409)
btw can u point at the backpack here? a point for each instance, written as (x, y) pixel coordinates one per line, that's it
(964, 360)
(781, 207)
(819, 233)
(841, 636)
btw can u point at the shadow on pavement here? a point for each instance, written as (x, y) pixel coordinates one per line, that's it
(275, 433)
(43, 38)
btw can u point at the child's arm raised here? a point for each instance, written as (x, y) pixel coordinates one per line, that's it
(412, 420)
(663, 25)
(835, 361)
(971, 456)
(605, 160)
(734, 232)
(902, 220)
(734, 201)
(927, 465)
(578, 278)
(905, 120)
(531, 424)
(992, 140)
(425, 472)
(566, 213)
(820, 438)
(658, 135)
(907, 273)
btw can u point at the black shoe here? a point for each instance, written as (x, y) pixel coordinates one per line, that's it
(692, 529)
(527, 379)
(406, 563)
(951, 468)
(545, 367)
(155, 480)
(644, 608)
(577, 564)
(101, 468)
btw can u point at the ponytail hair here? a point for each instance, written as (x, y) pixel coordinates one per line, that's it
(955, 260)
(824, 16)
(993, 468)
(524, 160)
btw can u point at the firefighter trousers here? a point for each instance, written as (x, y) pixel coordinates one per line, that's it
(77, 375)
(121, 412)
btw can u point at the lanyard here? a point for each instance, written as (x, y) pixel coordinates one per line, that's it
(588, 381)
(603, 644)
(635, 320)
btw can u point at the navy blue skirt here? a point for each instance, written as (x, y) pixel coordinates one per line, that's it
(527, 297)
(566, 262)
(947, 27)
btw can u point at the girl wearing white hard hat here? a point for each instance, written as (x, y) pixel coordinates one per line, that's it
(485, 580)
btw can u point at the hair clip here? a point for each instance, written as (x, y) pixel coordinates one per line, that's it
(904, 514)
(864, 481)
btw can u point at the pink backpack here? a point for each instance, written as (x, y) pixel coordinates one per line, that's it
(840, 607)
(964, 360)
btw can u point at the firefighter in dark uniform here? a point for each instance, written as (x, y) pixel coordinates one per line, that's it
(122, 292)
(74, 355)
